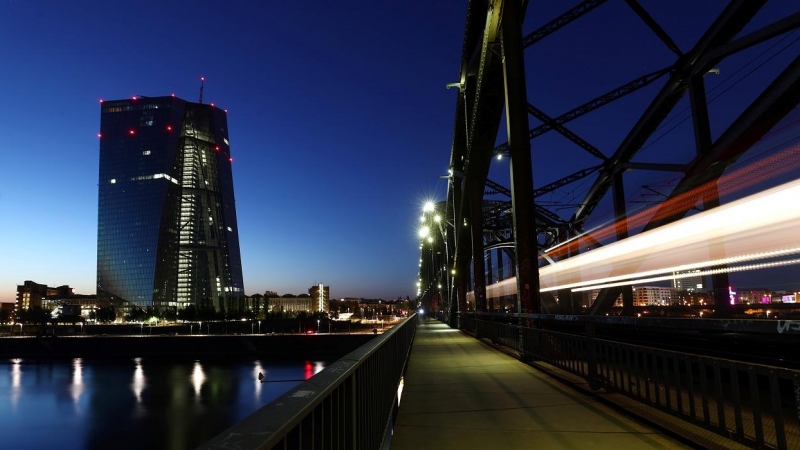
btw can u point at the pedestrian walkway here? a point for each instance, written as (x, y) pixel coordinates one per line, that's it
(462, 394)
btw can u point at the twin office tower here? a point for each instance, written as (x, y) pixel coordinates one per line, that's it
(166, 234)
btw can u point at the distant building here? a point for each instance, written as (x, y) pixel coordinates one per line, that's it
(6, 312)
(290, 304)
(596, 292)
(753, 296)
(167, 234)
(654, 296)
(321, 295)
(31, 294)
(689, 281)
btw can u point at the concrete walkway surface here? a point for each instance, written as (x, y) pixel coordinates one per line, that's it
(460, 393)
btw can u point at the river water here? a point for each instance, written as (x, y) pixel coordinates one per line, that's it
(134, 403)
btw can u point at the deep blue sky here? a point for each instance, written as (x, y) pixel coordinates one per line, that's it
(339, 120)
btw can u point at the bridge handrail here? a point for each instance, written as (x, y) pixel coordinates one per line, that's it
(347, 405)
(754, 404)
(732, 325)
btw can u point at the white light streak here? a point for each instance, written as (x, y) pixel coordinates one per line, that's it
(761, 226)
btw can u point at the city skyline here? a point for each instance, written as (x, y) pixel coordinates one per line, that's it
(317, 198)
(340, 118)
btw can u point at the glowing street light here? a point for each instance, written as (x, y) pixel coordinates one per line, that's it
(428, 207)
(424, 232)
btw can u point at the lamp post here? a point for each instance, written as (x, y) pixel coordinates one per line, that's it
(437, 272)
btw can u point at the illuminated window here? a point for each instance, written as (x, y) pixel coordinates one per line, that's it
(146, 152)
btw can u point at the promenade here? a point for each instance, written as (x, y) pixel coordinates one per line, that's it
(462, 394)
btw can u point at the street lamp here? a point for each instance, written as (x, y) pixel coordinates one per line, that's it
(437, 271)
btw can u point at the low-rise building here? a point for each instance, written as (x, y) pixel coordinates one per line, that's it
(653, 296)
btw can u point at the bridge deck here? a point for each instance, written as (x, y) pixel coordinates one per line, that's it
(460, 393)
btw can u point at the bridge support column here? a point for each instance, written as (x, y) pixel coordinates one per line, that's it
(520, 166)
(476, 228)
(702, 139)
(621, 225)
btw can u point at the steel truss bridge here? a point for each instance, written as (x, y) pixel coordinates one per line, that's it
(496, 211)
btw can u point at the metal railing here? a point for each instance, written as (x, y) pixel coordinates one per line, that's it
(756, 405)
(348, 405)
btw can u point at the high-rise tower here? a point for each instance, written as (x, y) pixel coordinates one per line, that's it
(166, 232)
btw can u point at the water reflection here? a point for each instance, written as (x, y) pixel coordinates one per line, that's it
(258, 373)
(198, 378)
(139, 382)
(312, 369)
(152, 404)
(16, 382)
(76, 388)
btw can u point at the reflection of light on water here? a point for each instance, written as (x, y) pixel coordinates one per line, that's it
(311, 370)
(257, 370)
(139, 383)
(16, 382)
(77, 388)
(198, 378)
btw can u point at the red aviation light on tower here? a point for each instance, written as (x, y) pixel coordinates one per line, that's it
(230, 159)
(131, 132)
(101, 100)
(99, 135)
(134, 97)
(216, 148)
(169, 127)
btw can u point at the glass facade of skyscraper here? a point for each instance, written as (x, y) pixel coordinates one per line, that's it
(167, 234)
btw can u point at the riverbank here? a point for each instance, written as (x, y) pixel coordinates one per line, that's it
(290, 346)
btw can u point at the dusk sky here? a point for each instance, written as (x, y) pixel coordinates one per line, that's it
(339, 120)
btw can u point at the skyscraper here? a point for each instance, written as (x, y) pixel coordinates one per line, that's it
(166, 232)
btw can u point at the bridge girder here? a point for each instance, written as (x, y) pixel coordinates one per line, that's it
(490, 52)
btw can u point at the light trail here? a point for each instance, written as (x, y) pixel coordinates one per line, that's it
(761, 226)
(730, 183)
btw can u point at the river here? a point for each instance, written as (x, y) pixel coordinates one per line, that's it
(134, 403)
